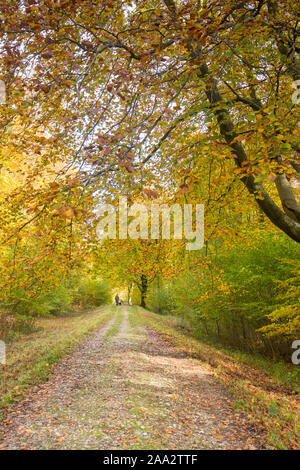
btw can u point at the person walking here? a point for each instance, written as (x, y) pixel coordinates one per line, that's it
(117, 300)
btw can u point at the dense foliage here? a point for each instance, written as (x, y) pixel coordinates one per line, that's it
(162, 101)
(242, 298)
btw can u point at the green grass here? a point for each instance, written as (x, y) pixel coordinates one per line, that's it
(282, 372)
(30, 358)
(286, 374)
(259, 385)
(112, 331)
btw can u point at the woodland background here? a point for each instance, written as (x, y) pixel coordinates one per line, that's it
(161, 101)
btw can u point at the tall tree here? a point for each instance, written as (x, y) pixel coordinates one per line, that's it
(113, 83)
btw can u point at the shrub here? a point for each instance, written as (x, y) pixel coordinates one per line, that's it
(235, 296)
(161, 299)
(24, 324)
(7, 322)
(56, 301)
(93, 292)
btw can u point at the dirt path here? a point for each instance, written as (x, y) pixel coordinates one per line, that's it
(126, 388)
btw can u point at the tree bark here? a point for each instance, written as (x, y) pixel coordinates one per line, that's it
(129, 289)
(288, 200)
(282, 220)
(158, 290)
(143, 289)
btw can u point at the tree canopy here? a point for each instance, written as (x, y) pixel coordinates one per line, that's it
(162, 100)
(119, 91)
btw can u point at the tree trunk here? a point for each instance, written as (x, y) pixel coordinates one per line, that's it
(144, 287)
(218, 327)
(129, 289)
(205, 326)
(282, 220)
(158, 291)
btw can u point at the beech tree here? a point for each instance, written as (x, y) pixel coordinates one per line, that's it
(112, 84)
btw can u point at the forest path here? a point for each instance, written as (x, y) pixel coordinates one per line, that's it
(127, 388)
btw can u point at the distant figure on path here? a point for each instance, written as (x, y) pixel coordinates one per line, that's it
(117, 299)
